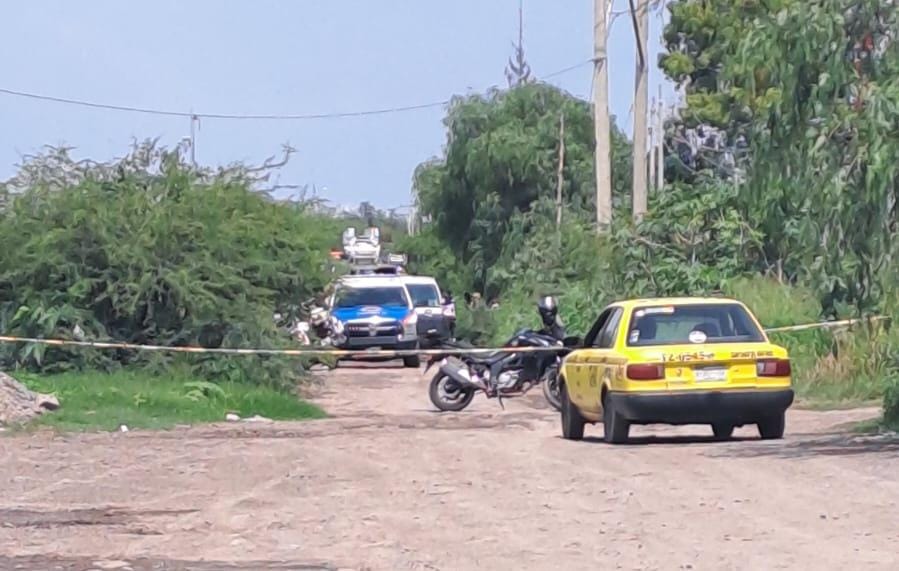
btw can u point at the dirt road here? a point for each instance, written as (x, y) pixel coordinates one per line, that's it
(389, 484)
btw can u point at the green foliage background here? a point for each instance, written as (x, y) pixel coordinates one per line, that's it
(781, 189)
(787, 200)
(151, 250)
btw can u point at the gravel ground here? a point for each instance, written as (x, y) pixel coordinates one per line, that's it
(387, 483)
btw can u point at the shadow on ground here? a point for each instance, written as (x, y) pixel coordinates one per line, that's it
(837, 444)
(45, 563)
(679, 440)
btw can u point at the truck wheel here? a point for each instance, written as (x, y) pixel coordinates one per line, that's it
(772, 427)
(616, 428)
(412, 361)
(572, 421)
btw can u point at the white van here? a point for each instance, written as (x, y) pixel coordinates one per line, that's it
(436, 314)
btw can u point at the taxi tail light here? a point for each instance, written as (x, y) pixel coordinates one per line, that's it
(645, 372)
(773, 368)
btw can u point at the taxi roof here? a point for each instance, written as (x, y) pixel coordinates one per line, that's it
(654, 301)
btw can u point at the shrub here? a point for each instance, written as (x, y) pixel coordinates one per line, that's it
(891, 405)
(155, 251)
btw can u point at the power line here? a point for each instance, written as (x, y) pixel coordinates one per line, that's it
(569, 68)
(246, 116)
(187, 114)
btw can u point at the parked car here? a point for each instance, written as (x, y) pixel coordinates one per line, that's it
(676, 361)
(436, 313)
(365, 248)
(374, 312)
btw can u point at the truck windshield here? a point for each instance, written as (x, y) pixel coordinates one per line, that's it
(391, 296)
(694, 323)
(424, 295)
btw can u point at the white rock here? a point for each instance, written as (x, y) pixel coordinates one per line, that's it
(47, 402)
(257, 418)
(123, 428)
(231, 417)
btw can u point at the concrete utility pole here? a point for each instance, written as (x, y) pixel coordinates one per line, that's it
(560, 173)
(601, 121)
(640, 17)
(660, 144)
(653, 141)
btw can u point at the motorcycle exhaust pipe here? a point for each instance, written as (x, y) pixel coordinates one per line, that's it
(459, 373)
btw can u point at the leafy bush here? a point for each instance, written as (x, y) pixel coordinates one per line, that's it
(891, 405)
(692, 242)
(151, 250)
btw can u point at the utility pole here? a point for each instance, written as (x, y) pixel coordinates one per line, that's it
(601, 121)
(560, 172)
(194, 120)
(660, 144)
(640, 18)
(653, 108)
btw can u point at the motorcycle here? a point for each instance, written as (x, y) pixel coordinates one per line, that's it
(318, 322)
(498, 375)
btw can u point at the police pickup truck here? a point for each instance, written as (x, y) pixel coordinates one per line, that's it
(374, 312)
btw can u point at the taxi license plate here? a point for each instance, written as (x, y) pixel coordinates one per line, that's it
(710, 374)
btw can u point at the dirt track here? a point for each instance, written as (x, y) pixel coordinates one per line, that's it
(388, 484)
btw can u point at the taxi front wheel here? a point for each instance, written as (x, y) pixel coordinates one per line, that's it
(615, 427)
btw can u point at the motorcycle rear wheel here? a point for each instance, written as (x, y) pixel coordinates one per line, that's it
(550, 383)
(447, 395)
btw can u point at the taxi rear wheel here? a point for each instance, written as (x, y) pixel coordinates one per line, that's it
(616, 428)
(772, 427)
(572, 421)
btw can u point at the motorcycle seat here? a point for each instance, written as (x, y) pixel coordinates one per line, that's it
(488, 358)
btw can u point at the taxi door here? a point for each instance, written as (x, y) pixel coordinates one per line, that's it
(575, 364)
(600, 362)
(579, 369)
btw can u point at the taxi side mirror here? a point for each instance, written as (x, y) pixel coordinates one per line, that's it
(572, 341)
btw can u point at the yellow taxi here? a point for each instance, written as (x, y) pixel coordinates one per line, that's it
(675, 361)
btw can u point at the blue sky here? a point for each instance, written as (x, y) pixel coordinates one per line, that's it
(286, 57)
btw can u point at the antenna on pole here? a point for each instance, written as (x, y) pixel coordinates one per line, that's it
(518, 72)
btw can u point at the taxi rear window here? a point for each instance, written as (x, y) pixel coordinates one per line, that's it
(692, 324)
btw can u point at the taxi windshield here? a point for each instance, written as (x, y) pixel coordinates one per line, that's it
(692, 324)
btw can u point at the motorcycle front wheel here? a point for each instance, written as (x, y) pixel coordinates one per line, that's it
(447, 395)
(551, 387)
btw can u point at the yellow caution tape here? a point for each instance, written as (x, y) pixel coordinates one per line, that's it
(827, 324)
(307, 350)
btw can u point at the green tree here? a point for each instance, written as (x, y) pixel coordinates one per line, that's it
(812, 89)
(501, 157)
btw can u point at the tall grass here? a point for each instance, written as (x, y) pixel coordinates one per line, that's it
(104, 401)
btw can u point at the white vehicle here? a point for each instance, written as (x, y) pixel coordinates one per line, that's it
(365, 248)
(374, 312)
(436, 313)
